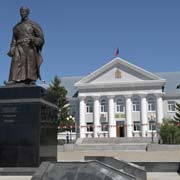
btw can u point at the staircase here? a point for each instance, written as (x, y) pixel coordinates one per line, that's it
(124, 144)
(117, 140)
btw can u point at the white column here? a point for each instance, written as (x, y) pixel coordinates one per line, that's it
(112, 121)
(159, 108)
(82, 117)
(97, 125)
(129, 123)
(144, 119)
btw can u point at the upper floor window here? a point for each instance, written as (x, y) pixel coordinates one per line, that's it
(89, 106)
(120, 105)
(151, 104)
(103, 105)
(171, 106)
(136, 104)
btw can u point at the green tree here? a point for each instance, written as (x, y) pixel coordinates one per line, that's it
(168, 121)
(62, 103)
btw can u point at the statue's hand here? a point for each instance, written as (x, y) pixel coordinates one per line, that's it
(11, 52)
(35, 41)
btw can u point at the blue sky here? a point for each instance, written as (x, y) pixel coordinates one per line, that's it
(82, 35)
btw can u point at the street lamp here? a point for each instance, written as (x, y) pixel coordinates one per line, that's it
(71, 118)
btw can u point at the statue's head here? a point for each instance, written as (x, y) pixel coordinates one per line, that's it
(24, 12)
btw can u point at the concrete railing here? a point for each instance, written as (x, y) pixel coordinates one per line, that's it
(62, 135)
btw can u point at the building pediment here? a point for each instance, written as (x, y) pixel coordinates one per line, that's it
(118, 72)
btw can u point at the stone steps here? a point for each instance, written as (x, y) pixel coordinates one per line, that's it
(114, 147)
(116, 140)
(126, 144)
(122, 144)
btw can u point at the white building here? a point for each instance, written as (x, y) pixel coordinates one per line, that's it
(121, 100)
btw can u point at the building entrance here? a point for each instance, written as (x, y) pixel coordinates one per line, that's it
(121, 131)
(120, 128)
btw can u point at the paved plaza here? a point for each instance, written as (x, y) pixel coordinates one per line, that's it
(131, 156)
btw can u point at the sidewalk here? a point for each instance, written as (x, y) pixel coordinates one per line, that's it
(131, 156)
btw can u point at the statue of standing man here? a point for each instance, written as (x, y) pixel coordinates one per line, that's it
(25, 50)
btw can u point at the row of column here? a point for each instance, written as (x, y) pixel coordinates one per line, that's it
(112, 121)
(97, 124)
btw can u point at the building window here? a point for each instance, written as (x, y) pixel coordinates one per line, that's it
(137, 126)
(136, 104)
(73, 110)
(89, 106)
(119, 106)
(90, 127)
(104, 126)
(171, 106)
(152, 125)
(103, 105)
(151, 104)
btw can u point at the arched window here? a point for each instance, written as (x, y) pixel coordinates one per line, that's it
(89, 106)
(103, 105)
(136, 104)
(119, 105)
(151, 104)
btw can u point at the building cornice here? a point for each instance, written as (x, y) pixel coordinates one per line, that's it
(143, 83)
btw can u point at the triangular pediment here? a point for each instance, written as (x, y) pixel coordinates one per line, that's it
(118, 71)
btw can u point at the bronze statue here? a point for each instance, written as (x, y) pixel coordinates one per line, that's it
(25, 50)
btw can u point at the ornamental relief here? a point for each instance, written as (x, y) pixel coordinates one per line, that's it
(117, 74)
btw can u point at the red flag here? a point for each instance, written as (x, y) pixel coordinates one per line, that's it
(117, 52)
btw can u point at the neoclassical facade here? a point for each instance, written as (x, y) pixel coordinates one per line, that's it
(121, 100)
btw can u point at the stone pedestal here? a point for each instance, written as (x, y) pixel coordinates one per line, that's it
(28, 133)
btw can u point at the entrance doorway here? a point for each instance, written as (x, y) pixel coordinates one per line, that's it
(120, 128)
(121, 131)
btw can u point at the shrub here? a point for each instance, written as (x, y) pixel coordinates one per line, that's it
(170, 133)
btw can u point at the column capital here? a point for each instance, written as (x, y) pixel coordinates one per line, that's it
(110, 96)
(82, 97)
(96, 97)
(143, 95)
(128, 96)
(157, 95)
